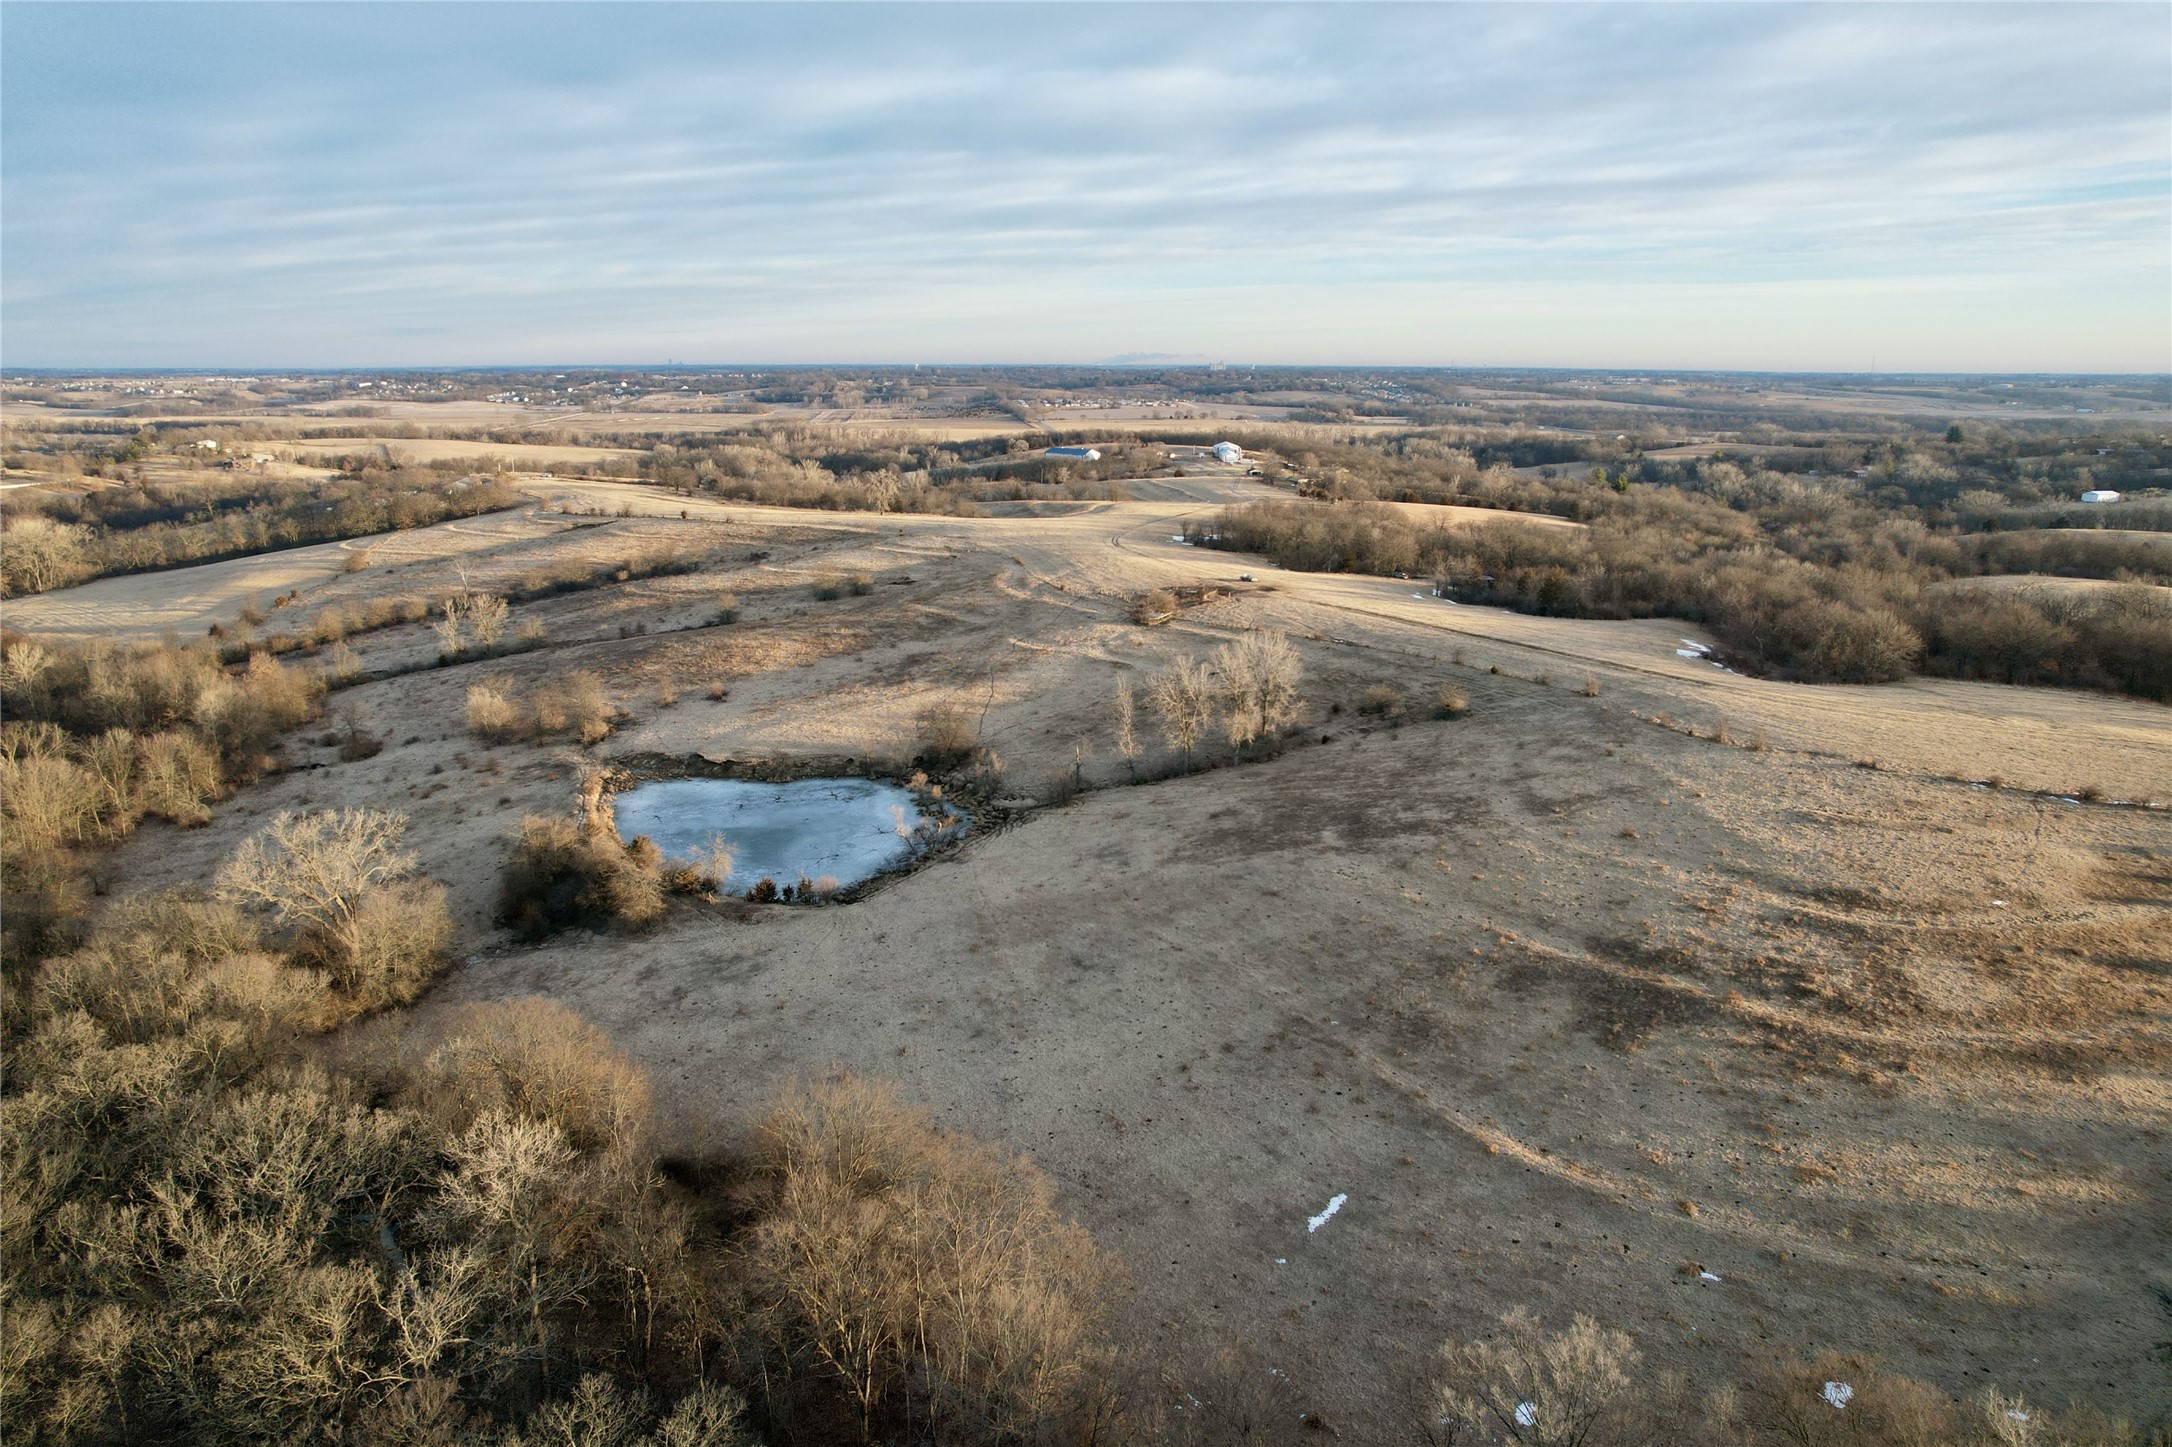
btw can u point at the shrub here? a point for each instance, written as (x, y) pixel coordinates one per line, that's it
(1382, 700)
(1790, 1404)
(491, 716)
(1844, 643)
(829, 587)
(176, 777)
(1451, 700)
(911, 1262)
(727, 608)
(1591, 685)
(562, 874)
(580, 702)
(1156, 607)
(402, 941)
(575, 704)
(341, 665)
(943, 737)
(359, 743)
(245, 715)
(1526, 1385)
(537, 1060)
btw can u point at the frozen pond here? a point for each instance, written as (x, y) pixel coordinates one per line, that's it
(845, 830)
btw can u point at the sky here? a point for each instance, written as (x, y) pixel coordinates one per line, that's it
(1948, 187)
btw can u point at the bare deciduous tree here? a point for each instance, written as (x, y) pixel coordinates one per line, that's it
(486, 615)
(37, 553)
(1260, 673)
(449, 627)
(1127, 728)
(1183, 695)
(316, 870)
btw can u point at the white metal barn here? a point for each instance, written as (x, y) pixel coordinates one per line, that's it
(2102, 494)
(1228, 452)
(1088, 454)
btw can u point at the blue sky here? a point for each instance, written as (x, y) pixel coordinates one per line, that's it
(1945, 187)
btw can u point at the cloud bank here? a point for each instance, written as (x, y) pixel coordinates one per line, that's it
(1941, 187)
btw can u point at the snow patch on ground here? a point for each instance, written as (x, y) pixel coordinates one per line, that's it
(1314, 1223)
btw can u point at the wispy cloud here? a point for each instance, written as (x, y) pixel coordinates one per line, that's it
(1712, 185)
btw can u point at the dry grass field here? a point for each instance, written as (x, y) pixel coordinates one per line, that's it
(408, 450)
(1747, 1016)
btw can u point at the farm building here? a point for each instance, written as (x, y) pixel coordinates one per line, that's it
(2102, 494)
(1228, 452)
(1084, 454)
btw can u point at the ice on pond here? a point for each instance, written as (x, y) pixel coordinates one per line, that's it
(842, 829)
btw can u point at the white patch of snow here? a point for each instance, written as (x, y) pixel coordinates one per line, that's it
(2017, 1414)
(1839, 1394)
(1708, 1275)
(1687, 653)
(1527, 1414)
(2000, 903)
(1314, 1223)
(1282, 1261)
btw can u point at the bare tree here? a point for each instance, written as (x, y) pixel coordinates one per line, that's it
(37, 553)
(1182, 694)
(486, 615)
(1260, 673)
(316, 870)
(455, 610)
(1127, 728)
